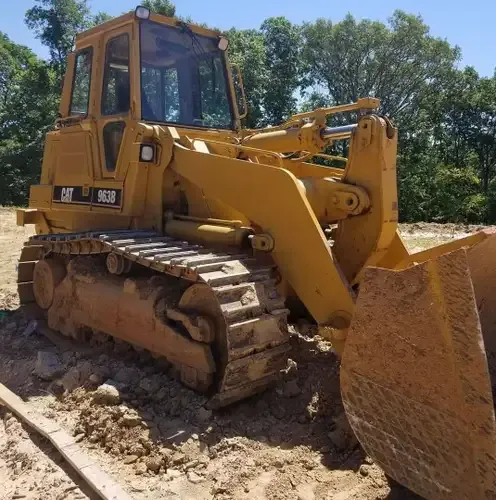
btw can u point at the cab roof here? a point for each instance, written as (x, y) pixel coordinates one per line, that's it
(116, 22)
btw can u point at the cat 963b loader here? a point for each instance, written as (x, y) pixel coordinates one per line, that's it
(162, 222)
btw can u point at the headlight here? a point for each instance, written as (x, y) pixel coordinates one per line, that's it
(147, 153)
(142, 12)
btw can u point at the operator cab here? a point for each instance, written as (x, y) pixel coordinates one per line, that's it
(175, 74)
(139, 67)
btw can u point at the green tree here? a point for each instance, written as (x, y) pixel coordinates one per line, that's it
(164, 7)
(28, 105)
(100, 18)
(457, 195)
(246, 48)
(282, 41)
(398, 63)
(56, 23)
(483, 130)
(453, 116)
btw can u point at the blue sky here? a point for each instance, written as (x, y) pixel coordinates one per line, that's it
(469, 25)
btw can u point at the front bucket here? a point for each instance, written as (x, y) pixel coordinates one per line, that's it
(415, 379)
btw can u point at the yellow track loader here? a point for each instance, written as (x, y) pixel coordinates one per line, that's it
(162, 222)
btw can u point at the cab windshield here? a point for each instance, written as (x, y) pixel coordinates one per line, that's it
(183, 78)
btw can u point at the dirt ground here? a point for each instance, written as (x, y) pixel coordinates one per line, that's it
(156, 438)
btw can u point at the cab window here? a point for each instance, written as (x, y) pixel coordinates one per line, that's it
(113, 133)
(183, 78)
(81, 83)
(116, 82)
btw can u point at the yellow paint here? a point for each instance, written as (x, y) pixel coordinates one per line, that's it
(217, 186)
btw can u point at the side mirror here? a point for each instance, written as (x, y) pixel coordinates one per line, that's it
(240, 91)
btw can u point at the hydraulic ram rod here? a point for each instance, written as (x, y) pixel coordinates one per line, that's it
(336, 133)
(304, 138)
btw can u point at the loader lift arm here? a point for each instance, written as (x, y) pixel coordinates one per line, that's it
(274, 200)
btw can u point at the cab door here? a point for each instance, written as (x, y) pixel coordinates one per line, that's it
(113, 120)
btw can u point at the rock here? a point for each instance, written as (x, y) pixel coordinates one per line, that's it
(137, 449)
(178, 458)
(130, 459)
(95, 379)
(364, 470)
(121, 410)
(161, 394)
(278, 411)
(67, 357)
(131, 420)
(153, 463)
(192, 464)
(149, 385)
(107, 393)
(305, 492)
(338, 439)
(79, 437)
(219, 488)
(173, 473)
(71, 379)
(56, 388)
(194, 478)
(126, 375)
(31, 328)
(77, 376)
(48, 365)
(342, 437)
(85, 370)
(291, 369)
(140, 468)
(203, 415)
(145, 415)
(291, 389)
(309, 465)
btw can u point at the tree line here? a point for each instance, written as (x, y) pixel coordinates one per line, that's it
(446, 114)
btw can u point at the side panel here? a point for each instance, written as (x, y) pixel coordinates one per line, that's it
(74, 169)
